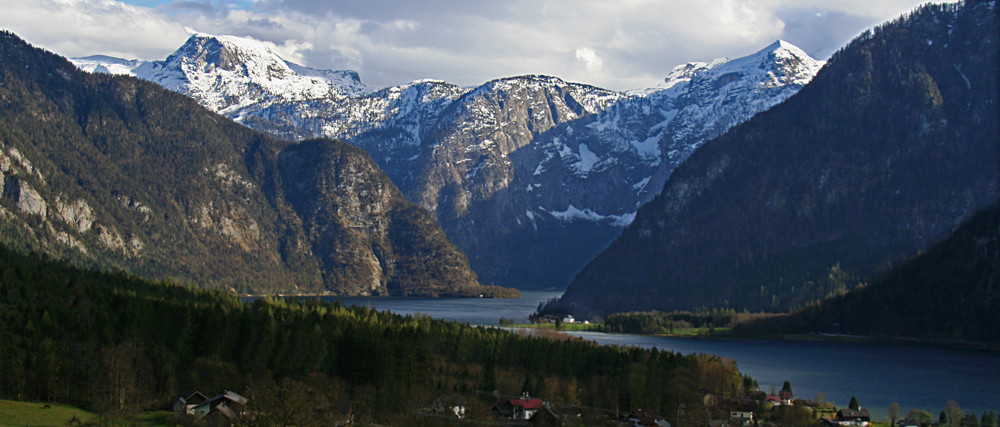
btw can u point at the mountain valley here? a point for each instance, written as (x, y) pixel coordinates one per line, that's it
(531, 176)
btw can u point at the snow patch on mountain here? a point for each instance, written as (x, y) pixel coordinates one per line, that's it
(572, 213)
(106, 64)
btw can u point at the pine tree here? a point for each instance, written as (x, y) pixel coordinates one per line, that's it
(989, 419)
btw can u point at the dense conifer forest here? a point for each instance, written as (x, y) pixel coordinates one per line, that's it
(117, 344)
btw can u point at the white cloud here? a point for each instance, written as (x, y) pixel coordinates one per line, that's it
(619, 45)
(589, 59)
(83, 27)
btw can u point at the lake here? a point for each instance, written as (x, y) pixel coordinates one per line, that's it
(877, 374)
(474, 311)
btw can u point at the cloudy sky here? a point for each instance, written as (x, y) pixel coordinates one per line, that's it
(616, 44)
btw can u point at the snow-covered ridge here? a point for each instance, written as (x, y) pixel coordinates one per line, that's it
(107, 64)
(598, 132)
(229, 74)
(638, 139)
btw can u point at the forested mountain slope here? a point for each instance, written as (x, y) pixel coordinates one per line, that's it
(949, 292)
(888, 149)
(119, 173)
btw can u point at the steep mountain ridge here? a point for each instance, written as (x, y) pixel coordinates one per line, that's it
(886, 150)
(517, 167)
(118, 173)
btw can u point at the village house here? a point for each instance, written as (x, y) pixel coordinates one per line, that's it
(741, 418)
(641, 418)
(187, 400)
(851, 417)
(219, 410)
(909, 422)
(526, 411)
(854, 417)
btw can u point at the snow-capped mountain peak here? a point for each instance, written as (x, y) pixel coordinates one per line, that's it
(683, 73)
(229, 74)
(232, 74)
(659, 127)
(786, 63)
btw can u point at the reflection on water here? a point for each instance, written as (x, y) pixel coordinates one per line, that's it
(913, 376)
(474, 311)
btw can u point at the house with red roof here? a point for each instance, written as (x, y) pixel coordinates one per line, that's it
(525, 407)
(527, 411)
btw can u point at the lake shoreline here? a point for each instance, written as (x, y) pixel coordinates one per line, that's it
(895, 341)
(914, 375)
(726, 334)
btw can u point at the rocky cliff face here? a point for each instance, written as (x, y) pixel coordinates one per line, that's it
(369, 239)
(116, 172)
(891, 145)
(530, 175)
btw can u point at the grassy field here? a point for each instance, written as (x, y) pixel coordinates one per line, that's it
(20, 414)
(696, 332)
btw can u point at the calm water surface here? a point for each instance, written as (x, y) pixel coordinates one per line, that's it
(474, 311)
(878, 374)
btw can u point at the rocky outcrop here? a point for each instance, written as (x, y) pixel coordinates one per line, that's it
(25, 198)
(77, 214)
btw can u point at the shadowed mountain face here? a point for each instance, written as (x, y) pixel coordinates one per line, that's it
(532, 176)
(949, 292)
(890, 146)
(115, 172)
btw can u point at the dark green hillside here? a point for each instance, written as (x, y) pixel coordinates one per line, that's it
(114, 172)
(116, 344)
(123, 170)
(949, 292)
(888, 149)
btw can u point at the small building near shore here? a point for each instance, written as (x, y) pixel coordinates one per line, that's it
(854, 417)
